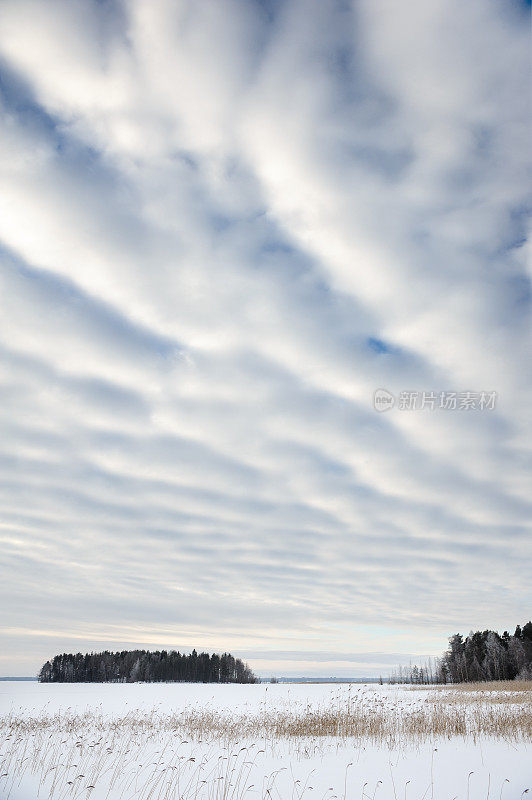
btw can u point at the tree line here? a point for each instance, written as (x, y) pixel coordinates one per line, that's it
(481, 656)
(129, 666)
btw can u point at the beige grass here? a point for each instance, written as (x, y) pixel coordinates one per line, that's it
(505, 693)
(481, 686)
(152, 756)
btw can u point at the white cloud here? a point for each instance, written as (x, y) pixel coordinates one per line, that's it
(207, 217)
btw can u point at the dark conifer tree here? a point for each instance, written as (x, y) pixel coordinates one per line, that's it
(142, 665)
(481, 656)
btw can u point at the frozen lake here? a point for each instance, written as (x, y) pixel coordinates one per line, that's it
(164, 741)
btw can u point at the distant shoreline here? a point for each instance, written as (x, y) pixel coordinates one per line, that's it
(302, 679)
(330, 679)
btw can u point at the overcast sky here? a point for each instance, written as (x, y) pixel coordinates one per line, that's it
(223, 225)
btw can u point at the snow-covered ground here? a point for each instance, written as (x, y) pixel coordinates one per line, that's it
(125, 740)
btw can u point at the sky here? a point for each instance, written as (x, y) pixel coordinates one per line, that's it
(224, 225)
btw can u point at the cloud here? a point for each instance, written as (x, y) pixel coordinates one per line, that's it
(222, 227)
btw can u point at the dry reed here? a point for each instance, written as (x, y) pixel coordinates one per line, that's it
(150, 755)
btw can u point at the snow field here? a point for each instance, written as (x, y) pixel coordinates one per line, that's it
(279, 741)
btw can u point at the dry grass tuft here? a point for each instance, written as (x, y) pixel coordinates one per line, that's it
(209, 753)
(506, 693)
(482, 686)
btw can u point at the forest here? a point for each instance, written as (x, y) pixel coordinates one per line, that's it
(129, 666)
(480, 656)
